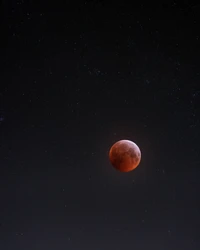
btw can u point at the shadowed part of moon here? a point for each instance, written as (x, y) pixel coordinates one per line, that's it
(125, 155)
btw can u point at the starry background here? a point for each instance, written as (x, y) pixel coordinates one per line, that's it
(75, 78)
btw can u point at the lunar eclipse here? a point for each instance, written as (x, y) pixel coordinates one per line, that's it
(125, 155)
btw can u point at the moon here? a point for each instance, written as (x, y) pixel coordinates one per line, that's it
(125, 155)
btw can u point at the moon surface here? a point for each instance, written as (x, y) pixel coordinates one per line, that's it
(125, 155)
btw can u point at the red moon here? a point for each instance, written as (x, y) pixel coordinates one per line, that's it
(125, 155)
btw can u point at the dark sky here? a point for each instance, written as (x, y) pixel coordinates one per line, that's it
(75, 78)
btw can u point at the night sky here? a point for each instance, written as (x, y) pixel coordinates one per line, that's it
(75, 78)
